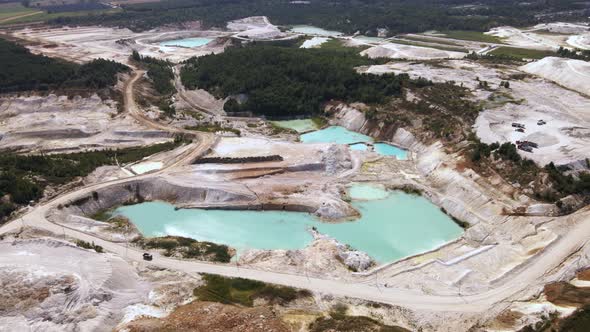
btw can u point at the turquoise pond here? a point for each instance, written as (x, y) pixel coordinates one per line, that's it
(393, 225)
(187, 42)
(341, 135)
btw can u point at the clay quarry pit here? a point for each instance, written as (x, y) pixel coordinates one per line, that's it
(511, 247)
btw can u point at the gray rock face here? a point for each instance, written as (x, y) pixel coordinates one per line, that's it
(356, 260)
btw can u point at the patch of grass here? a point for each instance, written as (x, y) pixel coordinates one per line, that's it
(102, 215)
(212, 128)
(339, 321)
(334, 44)
(14, 9)
(472, 36)
(276, 129)
(521, 53)
(244, 291)
(88, 245)
(319, 121)
(45, 16)
(188, 248)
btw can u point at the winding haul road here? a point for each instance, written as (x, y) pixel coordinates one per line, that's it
(535, 268)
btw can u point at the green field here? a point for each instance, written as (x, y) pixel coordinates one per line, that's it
(472, 36)
(44, 16)
(521, 53)
(13, 9)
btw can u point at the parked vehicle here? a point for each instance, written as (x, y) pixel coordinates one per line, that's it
(147, 257)
(520, 130)
(541, 122)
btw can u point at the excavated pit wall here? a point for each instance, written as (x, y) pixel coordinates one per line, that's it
(461, 195)
(207, 196)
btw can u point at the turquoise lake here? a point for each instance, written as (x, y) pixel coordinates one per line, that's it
(341, 135)
(393, 225)
(187, 42)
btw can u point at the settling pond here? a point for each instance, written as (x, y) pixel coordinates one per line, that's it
(187, 42)
(393, 225)
(341, 135)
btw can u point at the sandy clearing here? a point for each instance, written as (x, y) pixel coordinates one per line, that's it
(314, 42)
(580, 41)
(525, 39)
(572, 74)
(564, 139)
(399, 51)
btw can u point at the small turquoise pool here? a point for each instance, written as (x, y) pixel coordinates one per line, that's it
(341, 135)
(187, 42)
(392, 225)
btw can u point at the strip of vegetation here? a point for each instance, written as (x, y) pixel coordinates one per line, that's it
(159, 71)
(494, 58)
(238, 160)
(505, 160)
(20, 70)
(88, 245)
(281, 81)
(347, 16)
(23, 178)
(188, 248)
(339, 321)
(574, 54)
(520, 53)
(472, 36)
(213, 128)
(244, 291)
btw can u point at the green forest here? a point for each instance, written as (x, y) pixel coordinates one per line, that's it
(282, 81)
(23, 178)
(349, 16)
(20, 70)
(159, 71)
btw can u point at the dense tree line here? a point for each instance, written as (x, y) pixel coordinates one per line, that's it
(281, 81)
(20, 70)
(574, 54)
(159, 71)
(23, 178)
(348, 16)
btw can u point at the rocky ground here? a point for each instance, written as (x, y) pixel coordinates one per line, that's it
(58, 124)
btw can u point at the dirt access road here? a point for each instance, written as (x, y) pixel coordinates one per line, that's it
(530, 272)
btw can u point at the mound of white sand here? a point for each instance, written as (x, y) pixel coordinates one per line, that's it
(580, 41)
(398, 51)
(572, 74)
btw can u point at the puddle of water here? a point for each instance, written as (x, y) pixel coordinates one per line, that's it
(300, 126)
(391, 150)
(341, 135)
(187, 42)
(366, 191)
(146, 167)
(335, 134)
(359, 147)
(311, 30)
(370, 39)
(390, 228)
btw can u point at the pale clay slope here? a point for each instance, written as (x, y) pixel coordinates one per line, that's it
(59, 124)
(399, 51)
(570, 73)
